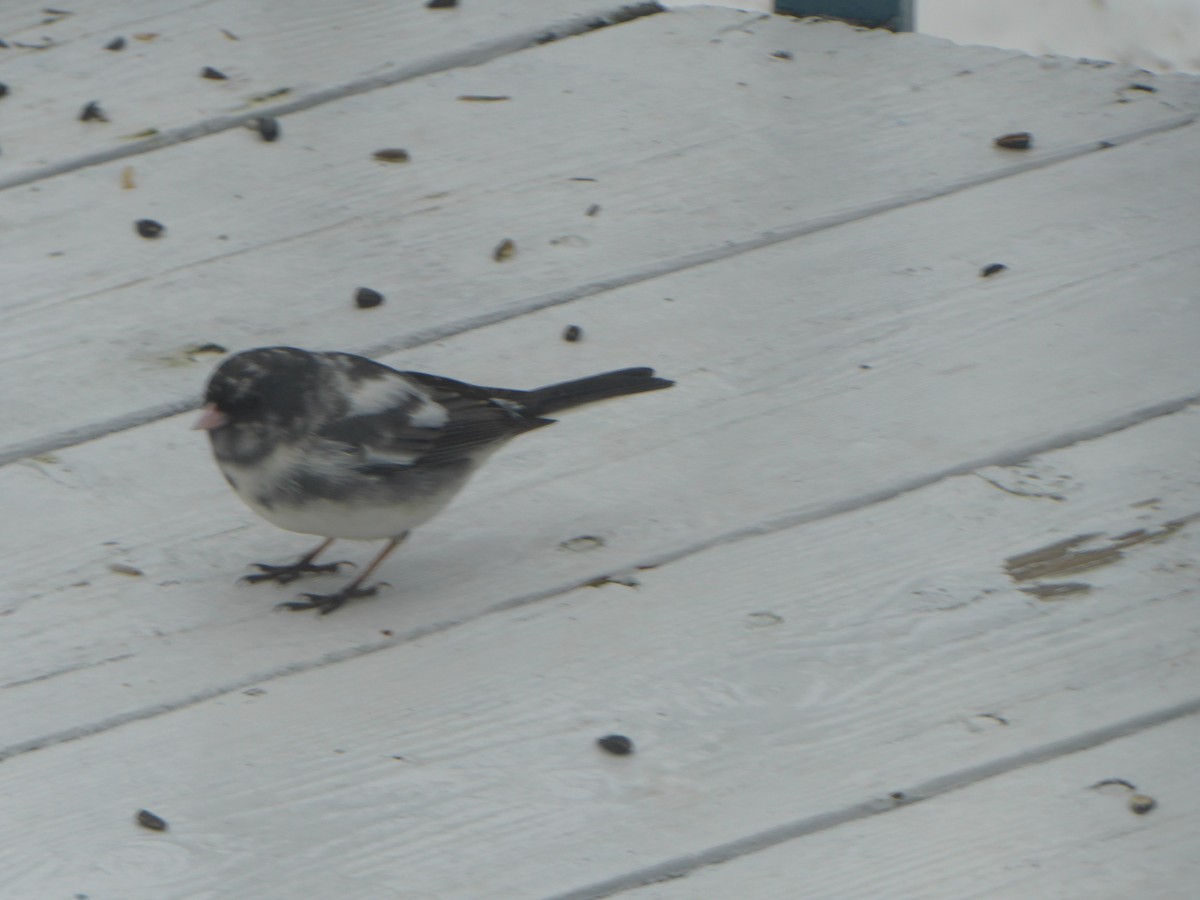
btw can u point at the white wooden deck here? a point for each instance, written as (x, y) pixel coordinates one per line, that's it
(826, 625)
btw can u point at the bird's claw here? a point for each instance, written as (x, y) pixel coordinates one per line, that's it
(327, 603)
(288, 573)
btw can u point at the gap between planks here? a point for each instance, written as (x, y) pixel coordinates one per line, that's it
(771, 526)
(475, 56)
(72, 437)
(934, 787)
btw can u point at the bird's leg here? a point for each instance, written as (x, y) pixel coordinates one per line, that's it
(327, 603)
(286, 574)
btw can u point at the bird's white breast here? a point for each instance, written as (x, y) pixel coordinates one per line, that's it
(357, 520)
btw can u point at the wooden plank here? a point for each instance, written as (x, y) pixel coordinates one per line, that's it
(1041, 831)
(279, 59)
(266, 243)
(767, 681)
(1051, 352)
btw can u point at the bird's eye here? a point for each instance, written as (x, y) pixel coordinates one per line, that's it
(246, 404)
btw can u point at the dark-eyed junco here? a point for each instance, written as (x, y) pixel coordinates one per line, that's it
(340, 446)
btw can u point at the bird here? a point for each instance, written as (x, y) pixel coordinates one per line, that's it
(341, 446)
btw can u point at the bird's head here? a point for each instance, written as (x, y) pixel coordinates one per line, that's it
(257, 398)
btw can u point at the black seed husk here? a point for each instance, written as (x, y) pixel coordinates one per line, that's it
(268, 128)
(365, 298)
(92, 113)
(1019, 140)
(391, 154)
(616, 744)
(147, 819)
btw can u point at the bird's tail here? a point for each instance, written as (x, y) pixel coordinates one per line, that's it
(552, 398)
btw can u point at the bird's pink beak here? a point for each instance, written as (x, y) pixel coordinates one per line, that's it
(210, 418)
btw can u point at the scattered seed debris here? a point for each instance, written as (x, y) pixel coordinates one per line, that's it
(391, 155)
(1121, 782)
(583, 542)
(1018, 140)
(864, 366)
(782, 54)
(254, 692)
(578, 178)
(270, 95)
(592, 210)
(441, 4)
(569, 240)
(57, 12)
(572, 334)
(1141, 804)
(898, 796)
(213, 74)
(117, 43)
(504, 250)
(147, 819)
(984, 722)
(1149, 88)
(122, 569)
(268, 128)
(387, 632)
(141, 135)
(992, 269)
(365, 298)
(616, 744)
(229, 34)
(92, 112)
(127, 182)
(148, 228)
(146, 36)
(483, 98)
(625, 579)
(763, 619)
(201, 349)
(192, 353)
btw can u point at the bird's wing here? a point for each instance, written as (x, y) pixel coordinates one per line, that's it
(411, 419)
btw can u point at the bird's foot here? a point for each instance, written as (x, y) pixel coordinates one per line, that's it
(286, 574)
(327, 603)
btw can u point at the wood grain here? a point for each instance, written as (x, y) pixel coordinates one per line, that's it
(286, 56)
(266, 243)
(773, 415)
(763, 682)
(1039, 831)
(899, 529)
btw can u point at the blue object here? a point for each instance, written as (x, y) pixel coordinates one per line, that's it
(896, 15)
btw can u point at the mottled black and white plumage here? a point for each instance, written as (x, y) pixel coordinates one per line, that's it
(340, 446)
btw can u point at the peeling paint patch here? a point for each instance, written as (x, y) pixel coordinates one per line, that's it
(1069, 555)
(1055, 590)
(1036, 479)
